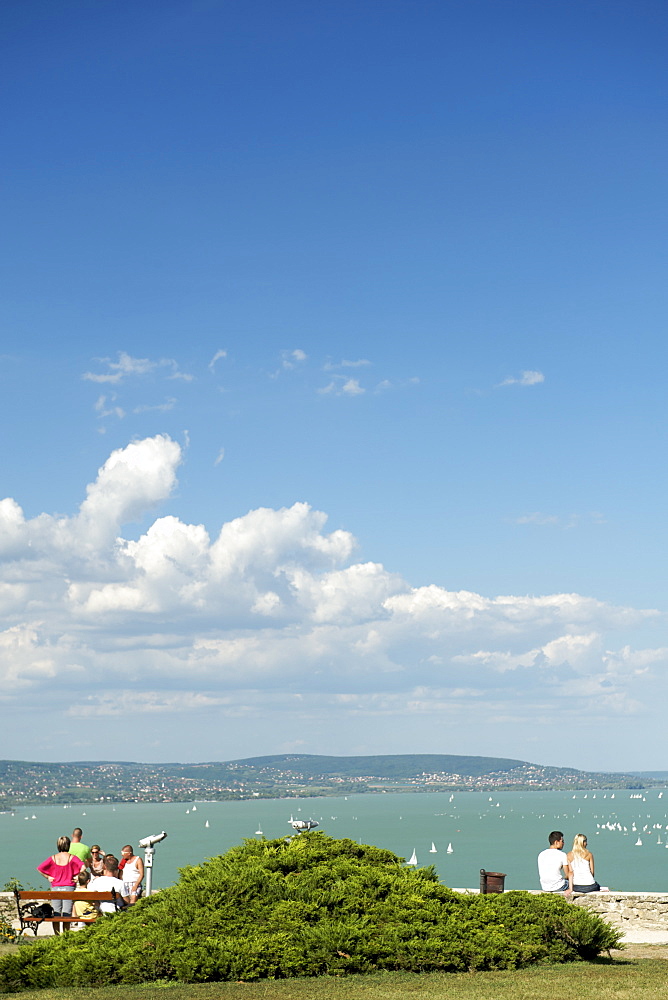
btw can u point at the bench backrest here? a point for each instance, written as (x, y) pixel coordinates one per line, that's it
(82, 895)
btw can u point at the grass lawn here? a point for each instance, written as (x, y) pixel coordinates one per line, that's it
(623, 979)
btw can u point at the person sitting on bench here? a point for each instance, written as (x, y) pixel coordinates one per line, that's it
(84, 908)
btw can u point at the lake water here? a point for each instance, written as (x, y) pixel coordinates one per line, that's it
(499, 832)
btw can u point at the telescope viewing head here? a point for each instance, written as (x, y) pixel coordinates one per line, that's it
(151, 840)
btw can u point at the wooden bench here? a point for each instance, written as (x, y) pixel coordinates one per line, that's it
(28, 899)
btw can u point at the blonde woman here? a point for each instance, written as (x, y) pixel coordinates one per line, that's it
(581, 862)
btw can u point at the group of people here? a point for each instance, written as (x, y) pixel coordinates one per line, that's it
(572, 872)
(76, 866)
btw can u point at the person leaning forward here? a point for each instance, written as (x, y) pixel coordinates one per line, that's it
(554, 870)
(107, 882)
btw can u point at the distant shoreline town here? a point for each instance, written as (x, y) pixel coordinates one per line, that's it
(288, 776)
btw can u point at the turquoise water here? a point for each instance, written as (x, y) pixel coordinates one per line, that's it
(502, 837)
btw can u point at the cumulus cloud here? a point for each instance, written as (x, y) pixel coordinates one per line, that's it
(270, 610)
(525, 378)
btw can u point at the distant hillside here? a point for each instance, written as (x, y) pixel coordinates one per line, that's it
(385, 766)
(284, 775)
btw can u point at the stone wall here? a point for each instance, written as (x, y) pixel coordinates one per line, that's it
(7, 906)
(628, 910)
(631, 912)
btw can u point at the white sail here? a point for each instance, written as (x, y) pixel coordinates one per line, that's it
(638, 842)
(207, 823)
(413, 859)
(432, 849)
(450, 849)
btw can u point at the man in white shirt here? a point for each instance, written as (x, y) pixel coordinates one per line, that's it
(553, 869)
(107, 882)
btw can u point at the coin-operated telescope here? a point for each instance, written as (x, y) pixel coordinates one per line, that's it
(148, 843)
(303, 825)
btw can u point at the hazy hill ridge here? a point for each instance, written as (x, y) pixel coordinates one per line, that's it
(279, 775)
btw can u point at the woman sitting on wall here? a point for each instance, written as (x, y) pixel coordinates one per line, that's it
(581, 862)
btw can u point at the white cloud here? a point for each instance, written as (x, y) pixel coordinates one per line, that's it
(104, 408)
(273, 605)
(386, 384)
(218, 356)
(559, 521)
(169, 404)
(342, 386)
(290, 359)
(219, 457)
(526, 378)
(344, 363)
(127, 366)
(143, 703)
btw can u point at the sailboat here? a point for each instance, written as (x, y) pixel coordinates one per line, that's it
(413, 859)
(194, 809)
(638, 842)
(432, 849)
(258, 832)
(207, 823)
(450, 849)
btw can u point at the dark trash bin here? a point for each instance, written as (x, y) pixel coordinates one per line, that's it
(491, 882)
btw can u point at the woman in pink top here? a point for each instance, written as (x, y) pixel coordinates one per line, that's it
(61, 870)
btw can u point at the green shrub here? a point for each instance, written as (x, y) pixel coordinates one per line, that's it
(305, 907)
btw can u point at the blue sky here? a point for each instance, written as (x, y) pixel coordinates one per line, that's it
(333, 379)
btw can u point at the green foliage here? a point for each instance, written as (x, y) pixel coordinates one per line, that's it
(11, 884)
(305, 907)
